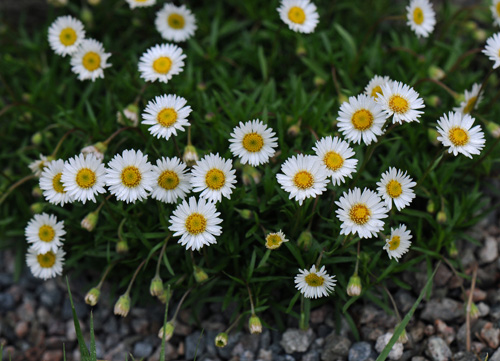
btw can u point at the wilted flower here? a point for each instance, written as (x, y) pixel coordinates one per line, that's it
(221, 339)
(92, 296)
(122, 306)
(254, 324)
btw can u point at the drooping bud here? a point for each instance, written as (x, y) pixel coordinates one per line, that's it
(493, 128)
(300, 51)
(293, 130)
(431, 206)
(122, 246)
(87, 16)
(441, 217)
(36, 192)
(164, 296)
(319, 81)
(122, 306)
(254, 324)
(37, 138)
(199, 274)
(131, 113)
(354, 286)
(90, 221)
(190, 156)
(433, 134)
(98, 149)
(156, 287)
(168, 332)
(480, 35)
(245, 213)
(305, 240)
(58, 3)
(250, 173)
(436, 73)
(201, 86)
(343, 98)
(221, 340)
(433, 101)
(453, 251)
(37, 207)
(94, 2)
(92, 296)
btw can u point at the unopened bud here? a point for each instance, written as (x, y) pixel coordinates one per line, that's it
(493, 128)
(156, 287)
(122, 247)
(209, 116)
(92, 296)
(168, 332)
(122, 306)
(250, 173)
(164, 297)
(343, 99)
(245, 214)
(94, 2)
(470, 25)
(436, 73)
(473, 311)
(36, 192)
(201, 86)
(254, 324)
(305, 240)
(319, 81)
(37, 138)
(98, 149)
(441, 217)
(190, 156)
(480, 35)
(87, 17)
(433, 134)
(37, 207)
(131, 113)
(301, 51)
(90, 221)
(453, 251)
(354, 286)
(221, 340)
(58, 3)
(433, 101)
(199, 274)
(293, 130)
(431, 206)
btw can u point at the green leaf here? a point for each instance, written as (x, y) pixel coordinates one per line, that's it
(84, 352)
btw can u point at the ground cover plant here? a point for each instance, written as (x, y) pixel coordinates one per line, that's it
(276, 155)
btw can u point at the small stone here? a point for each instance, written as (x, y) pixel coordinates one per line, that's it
(404, 300)
(80, 308)
(312, 355)
(487, 276)
(319, 315)
(140, 326)
(170, 353)
(477, 295)
(417, 331)
(464, 356)
(142, 349)
(445, 332)
(360, 351)
(491, 335)
(21, 329)
(437, 349)
(50, 295)
(483, 308)
(443, 275)
(295, 340)
(266, 355)
(397, 349)
(429, 330)
(195, 345)
(495, 356)
(445, 309)
(6, 302)
(52, 355)
(6, 280)
(467, 257)
(43, 316)
(489, 252)
(418, 358)
(335, 347)
(265, 339)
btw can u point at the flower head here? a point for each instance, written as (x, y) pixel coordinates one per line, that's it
(175, 23)
(45, 233)
(336, 156)
(172, 182)
(396, 186)
(314, 283)
(166, 114)
(401, 102)
(495, 10)
(300, 15)
(83, 177)
(37, 166)
(421, 17)
(65, 35)
(471, 101)
(274, 240)
(45, 265)
(253, 142)
(221, 339)
(492, 49)
(50, 182)
(374, 87)
(254, 324)
(399, 243)
(456, 132)
(89, 60)
(161, 62)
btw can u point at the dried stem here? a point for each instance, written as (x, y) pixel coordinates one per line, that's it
(469, 303)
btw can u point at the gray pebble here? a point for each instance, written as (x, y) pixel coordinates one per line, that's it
(437, 349)
(142, 349)
(6, 302)
(360, 351)
(195, 345)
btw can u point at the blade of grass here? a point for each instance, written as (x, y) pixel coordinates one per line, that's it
(81, 342)
(162, 351)
(93, 353)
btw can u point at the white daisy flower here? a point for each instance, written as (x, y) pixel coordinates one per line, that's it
(83, 177)
(253, 142)
(140, 3)
(45, 233)
(374, 87)
(166, 114)
(274, 240)
(161, 62)
(313, 283)
(65, 35)
(129, 176)
(89, 60)
(175, 23)
(172, 182)
(400, 101)
(361, 118)
(421, 17)
(214, 177)
(399, 243)
(396, 186)
(492, 49)
(37, 166)
(336, 156)
(361, 213)
(495, 10)
(196, 223)
(45, 265)
(471, 101)
(304, 177)
(300, 15)
(456, 132)
(50, 183)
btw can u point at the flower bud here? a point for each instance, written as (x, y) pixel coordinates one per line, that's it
(441, 217)
(470, 25)
(122, 306)
(190, 156)
(433, 101)
(305, 240)
(293, 130)
(92, 296)
(156, 287)
(164, 296)
(201, 86)
(199, 274)
(87, 17)
(98, 149)
(493, 128)
(431, 206)
(319, 81)
(36, 192)
(254, 324)
(432, 135)
(168, 332)
(342, 99)
(94, 2)
(245, 214)
(459, 97)
(250, 173)
(354, 286)
(300, 51)
(480, 35)
(90, 221)
(403, 338)
(122, 247)
(37, 138)
(131, 113)
(221, 340)
(37, 207)
(473, 311)
(453, 251)
(436, 73)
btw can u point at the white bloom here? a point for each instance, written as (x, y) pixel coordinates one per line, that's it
(166, 114)
(140, 3)
(253, 142)
(274, 240)
(399, 243)
(313, 283)
(396, 186)
(300, 15)
(175, 23)
(161, 62)
(172, 182)
(37, 166)
(374, 87)
(492, 49)
(196, 223)
(83, 177)
(304, 177)
(421, 17)
(495, 10)
(45, 233)
(45, 265)
(361, 213)
(400, 101)
(50, 183)
(336, 156)
(456, 132)
(89, 60)
(471, 101)
(361, 118)
(214, 177)
(129, 176)
(65, 35)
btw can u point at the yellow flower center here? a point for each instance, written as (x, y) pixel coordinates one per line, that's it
(458, 136)
(91, 61)
(314, 280)
(253, 142)
(46, 260)
(176, 21)
(57, 185)
(498, 8)
(162, 65)
(196, 223)
(398, 104)
(296, 15)
(333, 160)
(376, 91)
(359, 214)
(470, 104)
(273, 241)
(362, 119)
(215, 179)
(303, 180)
(394, 243)
(67, 36)
(393, 188)
(168, 180)
(167, 117)
(131, 176)
(85, 178)
(418, 16)
(46, 233)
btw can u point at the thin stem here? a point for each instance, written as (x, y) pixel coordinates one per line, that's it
(312, 214)
(112, 136)
(177, 148)
(138, 97)
(135, 275)
(318, 261)
(161, 254)
(15, 185)
(469, 302)
(440, 83)
(251, 301)
(99, 285)
(393, 302)
(480, 160)
(189, 136)
(460, 59)
(234, 323)
(357, 259)
(426, 173)
(63, 138)
(180, 303)
(120, 228)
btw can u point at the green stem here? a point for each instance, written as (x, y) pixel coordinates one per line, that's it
(59, 144)
(430, 166)
(180, 303)
(251, 301)
(135, 275)
(161, 254)
(357, 259)
(14, 186)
